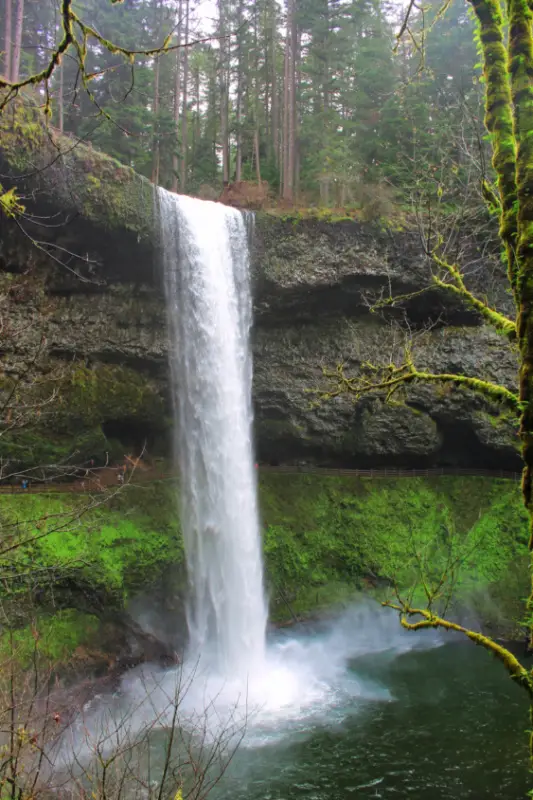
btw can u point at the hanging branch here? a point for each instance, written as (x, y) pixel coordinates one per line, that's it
(77, 33)
(431, 620)
(386, 380)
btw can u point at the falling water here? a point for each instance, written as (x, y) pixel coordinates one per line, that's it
(274, 691)
(206, 266)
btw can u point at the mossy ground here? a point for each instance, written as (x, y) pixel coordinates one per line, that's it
(122, 545)
(78, 562)
(325, 539)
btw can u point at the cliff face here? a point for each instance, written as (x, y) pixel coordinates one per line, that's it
(314, 285)
(98, 327)
(311, 285)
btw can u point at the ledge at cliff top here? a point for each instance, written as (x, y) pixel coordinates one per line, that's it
(311, 279)
(85, 198)
(99, 208)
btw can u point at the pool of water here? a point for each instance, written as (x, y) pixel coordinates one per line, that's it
(353, 708)
(449, 724)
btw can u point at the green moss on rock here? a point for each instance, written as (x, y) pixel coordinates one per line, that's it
(72, 425)
(96, 186)
(358, 533)
(119, 548)
(326, 539)
(91, 396)
(55, 637)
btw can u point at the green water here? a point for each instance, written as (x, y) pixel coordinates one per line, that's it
(455, 727)
(354, 707)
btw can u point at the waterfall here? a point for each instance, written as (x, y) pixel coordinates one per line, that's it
(206, 267)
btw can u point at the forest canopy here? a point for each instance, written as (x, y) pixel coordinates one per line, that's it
(309, 98)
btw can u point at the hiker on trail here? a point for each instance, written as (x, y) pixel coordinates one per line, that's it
(120, 477)
(25, 484)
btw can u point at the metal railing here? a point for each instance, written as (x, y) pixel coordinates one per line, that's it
(393, 472)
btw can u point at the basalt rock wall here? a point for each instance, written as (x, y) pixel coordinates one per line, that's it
(84, 308)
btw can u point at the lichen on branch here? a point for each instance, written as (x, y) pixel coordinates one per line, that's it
(429, 619)
(386, 380)
(76, 33)
(456, 284)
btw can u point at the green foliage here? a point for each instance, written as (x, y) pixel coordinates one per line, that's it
(356, 532)
(22, 133)
(122, 547)
(10, 204)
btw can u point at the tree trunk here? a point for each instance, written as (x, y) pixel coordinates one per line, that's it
(155, 139)
(257, 83)
(297, 49)
(224, 95)
(286, 188)
(256, 155)
(291, 147)
(17, 44)
(238, 155)
(267, 101)
(198, 121)
(60, 99)
(7, 40)
(184, 130)
(275, 99)
(155, 110)
(177, 99)
(224, 132)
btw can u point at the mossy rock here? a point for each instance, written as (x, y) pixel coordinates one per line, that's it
(107, 392)
(325, 540)
(109, 208)
(110, 550)
(101, 188)
(335, 536)
(72, 426)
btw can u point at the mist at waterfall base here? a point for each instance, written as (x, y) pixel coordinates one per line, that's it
(268, 694)
(306, 678)
(352, 707)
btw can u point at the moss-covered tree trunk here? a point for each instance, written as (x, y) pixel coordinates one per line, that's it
(521, 74)
(499, 120)
(509, 118)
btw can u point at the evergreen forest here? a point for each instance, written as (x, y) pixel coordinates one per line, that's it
(312, 101)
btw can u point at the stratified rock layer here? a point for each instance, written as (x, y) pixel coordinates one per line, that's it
(314, 284)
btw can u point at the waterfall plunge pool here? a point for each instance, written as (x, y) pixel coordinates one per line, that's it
(355, 708)
(453, 726)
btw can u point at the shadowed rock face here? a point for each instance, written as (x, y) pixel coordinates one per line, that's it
(313, 284)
